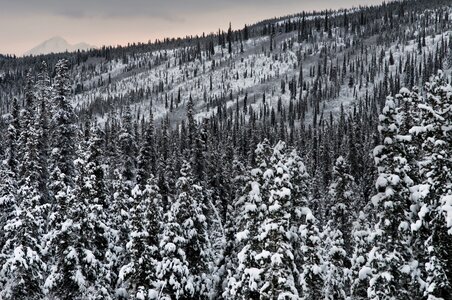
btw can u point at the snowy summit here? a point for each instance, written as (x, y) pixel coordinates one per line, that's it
(56, 44)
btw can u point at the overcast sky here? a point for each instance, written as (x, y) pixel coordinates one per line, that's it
(26, 23)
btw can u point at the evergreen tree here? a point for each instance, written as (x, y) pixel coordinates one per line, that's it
(146, 164)
(311, 277)
(337, 237)
(8, 191)
(9, 168)
(13, 133)
(300, 194)
(81, 268)
(175, 279)
(42, 123)
(188, 208)
(247, 280)
(127, 146)
(22, 261)
(436, 178)
(277, 255)
(360, 272)
(266, 266)
(63, 130)
(390, 258)
(232, 214)
(23, 267)
(65, 280)
(119, 213)
(142, 256)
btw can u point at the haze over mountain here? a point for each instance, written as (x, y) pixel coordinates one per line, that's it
(56, 44)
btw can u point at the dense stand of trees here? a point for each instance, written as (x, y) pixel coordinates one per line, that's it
(355, 207)
(347, 46)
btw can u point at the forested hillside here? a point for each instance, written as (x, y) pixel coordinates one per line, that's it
(305, 157)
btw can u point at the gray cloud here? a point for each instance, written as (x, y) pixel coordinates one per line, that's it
(151, 8)
(110, 8)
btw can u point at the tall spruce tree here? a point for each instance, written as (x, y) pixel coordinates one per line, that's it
(63, 280)
(391, 255)
(246, 281)
(42, 123)
(277, 255)
(432, 229)
(337, 238)
(187, 219)
(23, 267)
(142, 249)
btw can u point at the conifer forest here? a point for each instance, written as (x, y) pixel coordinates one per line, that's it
(302, 157)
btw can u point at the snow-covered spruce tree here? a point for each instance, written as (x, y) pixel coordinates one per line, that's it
(276, 259)
(62, 140)
(8, 169)
(8, 206)
(29, 168)
(391, 256)
(191, 124)
(337, 233)
(305, 233)
(220, 173)
(63, 131)
(188, 208)
(300, 200)
(27, 117)
(311, 276)
(168, 172)
(144, 221)
(342, 193)
(360, 272)
(127, 146)
(228, 263)
(198, 160)
(139, 275)
(122, 184)
(318, 194)
(112, 130)
(436, 176)
(410, 117)
(8, 191)
(23, 269)
(13, 133)
(265, 242)
(93, 241)
(246, 281)
(42, 123)
(147, 160)
(64, 280)
(194, 225)
(81, 270)
(120, 203)
(175, 279)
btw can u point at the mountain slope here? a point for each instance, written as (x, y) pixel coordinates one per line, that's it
(311, 66)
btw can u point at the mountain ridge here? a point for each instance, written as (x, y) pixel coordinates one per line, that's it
(56, 44)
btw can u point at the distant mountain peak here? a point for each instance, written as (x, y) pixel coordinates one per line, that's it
(56, 44)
